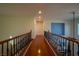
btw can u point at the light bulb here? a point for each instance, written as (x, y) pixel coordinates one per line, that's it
(10, 37)
(40, 12)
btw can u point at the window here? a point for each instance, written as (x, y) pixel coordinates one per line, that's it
(78, 28)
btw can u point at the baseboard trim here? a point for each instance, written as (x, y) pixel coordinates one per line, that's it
(51, 47)
(27, 49)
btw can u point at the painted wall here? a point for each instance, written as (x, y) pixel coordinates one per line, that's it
(76, 28)
(11, 25)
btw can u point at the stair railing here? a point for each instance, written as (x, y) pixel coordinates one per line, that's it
(15, 45)
(65, 46)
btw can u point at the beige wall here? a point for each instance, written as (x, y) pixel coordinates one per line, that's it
(14, 25)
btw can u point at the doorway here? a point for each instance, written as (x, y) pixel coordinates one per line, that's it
(39, 27)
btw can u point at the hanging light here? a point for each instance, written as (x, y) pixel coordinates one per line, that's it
(39, 11)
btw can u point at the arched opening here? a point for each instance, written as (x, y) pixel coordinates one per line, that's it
(39, 25)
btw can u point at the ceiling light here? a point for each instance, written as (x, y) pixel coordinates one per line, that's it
(40, 12)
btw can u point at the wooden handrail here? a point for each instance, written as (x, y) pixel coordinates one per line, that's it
(69, 38)
(1, 42)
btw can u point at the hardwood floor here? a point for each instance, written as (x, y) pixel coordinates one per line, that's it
(39, 48)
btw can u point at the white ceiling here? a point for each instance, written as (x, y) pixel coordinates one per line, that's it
(50, 11)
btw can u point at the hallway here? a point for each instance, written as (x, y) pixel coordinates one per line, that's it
(39, 29)
(39, 47)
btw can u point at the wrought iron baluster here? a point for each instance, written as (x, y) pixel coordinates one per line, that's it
(69, 50)
(11, 49)
(7, 49)
(73, 48)
(78, 50)
(2, 49)
(14, 46)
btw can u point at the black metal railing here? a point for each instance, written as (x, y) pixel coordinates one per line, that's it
(15, 45)
(65, 46)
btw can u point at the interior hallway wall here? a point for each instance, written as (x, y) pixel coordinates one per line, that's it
(14, 25)
(76, 28)
(68, 24)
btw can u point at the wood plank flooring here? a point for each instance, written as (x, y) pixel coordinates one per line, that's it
(39, 48)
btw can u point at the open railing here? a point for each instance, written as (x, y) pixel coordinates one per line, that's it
(65, 46)
(15, 45)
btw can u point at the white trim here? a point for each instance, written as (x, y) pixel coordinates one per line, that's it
(51, 47)
(27, 48)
